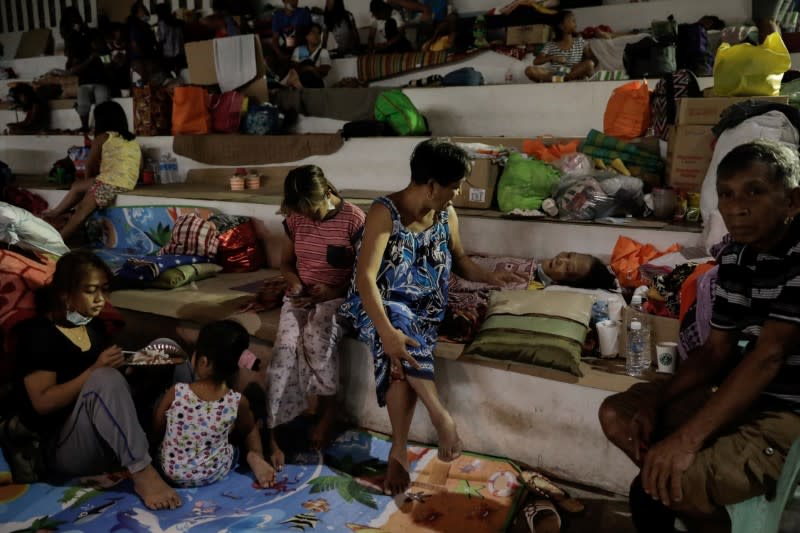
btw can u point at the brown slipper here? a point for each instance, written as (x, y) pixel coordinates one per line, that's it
(539, 484)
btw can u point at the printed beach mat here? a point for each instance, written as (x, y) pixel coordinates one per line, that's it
(338, 491)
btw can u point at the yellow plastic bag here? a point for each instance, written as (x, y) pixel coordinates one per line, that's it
(747, 70)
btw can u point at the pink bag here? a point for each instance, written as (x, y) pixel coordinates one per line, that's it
(226, 112)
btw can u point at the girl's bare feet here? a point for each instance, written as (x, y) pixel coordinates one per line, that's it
(397, 478)
(263, 471)
(154, 491)
(276, 456)
(450, 446)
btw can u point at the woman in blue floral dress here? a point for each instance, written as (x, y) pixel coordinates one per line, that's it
(399, 294)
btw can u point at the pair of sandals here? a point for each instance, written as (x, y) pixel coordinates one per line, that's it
(542, 515)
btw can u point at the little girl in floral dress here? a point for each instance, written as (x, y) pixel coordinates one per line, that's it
(198, 417)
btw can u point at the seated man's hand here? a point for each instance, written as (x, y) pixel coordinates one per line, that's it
(664, 466)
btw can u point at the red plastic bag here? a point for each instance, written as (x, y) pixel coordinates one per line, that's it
(226, 111)
(239, 249)
(190, 111)
(629, 255)
(628, 111)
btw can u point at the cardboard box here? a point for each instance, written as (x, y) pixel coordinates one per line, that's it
(477, 192)
(202, 68)
(535, 34)
(35, 43)
(662, 329)
(688, 157)
(706, 111)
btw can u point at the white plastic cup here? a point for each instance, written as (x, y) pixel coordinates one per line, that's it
(666, 356)
(608, 335)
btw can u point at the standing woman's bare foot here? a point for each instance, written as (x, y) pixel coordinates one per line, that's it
(450, 446)
(397, 478)
(154, 491)
(276, 455)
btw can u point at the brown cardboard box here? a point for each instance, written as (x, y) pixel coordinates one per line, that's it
(688, 157)
(35, 43)
(477, 192)
(697, 111)
(662, 329)
(535, 34)
(202, 70)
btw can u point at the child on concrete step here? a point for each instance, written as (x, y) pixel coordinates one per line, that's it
(317, 263)
(113, 167)
(198, 417)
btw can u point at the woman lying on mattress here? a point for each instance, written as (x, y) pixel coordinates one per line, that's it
(469, 300)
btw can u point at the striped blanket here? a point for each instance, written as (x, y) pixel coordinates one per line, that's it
(380, 66)
(608, 148)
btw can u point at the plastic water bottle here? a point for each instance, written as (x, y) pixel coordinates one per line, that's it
(173, 169)
(163, 169)
(509, 76)
(168, 169)
(635, 354)
(638, 314)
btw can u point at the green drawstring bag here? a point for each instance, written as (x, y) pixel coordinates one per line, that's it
(525, 183)
(396, 109)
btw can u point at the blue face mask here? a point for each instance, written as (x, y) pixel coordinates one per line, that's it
(77, 319)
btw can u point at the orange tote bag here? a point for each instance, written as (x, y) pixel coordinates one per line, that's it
(190, 115)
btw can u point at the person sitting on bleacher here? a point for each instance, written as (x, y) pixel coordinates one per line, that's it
(568, 57)
(143, 46)
(311, 61)
(340, 23)
(83, 60)
(114, 164)
(289, 28)
(718, 432)
(387, 34)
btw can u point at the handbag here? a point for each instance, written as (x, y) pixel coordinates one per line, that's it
(262, 119)
(226, 111)
(152, 110)
(190, 114)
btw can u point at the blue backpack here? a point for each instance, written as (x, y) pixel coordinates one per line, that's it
(463, 77)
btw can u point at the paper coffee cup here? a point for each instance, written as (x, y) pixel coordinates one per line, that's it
(666, 354)
(608, 335)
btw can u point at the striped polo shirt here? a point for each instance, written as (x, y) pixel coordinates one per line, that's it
(573, 55)
(754, 287)
(325, 249)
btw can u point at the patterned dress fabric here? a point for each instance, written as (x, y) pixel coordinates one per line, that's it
(413, 283)
(196, 450)
(305, 358)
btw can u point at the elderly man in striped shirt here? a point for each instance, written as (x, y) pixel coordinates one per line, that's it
(718, 432)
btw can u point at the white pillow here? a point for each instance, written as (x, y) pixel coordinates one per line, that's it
(21, 227)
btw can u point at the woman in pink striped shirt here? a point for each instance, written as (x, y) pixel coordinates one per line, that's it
(317, 263)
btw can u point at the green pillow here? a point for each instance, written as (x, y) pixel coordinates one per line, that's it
(181, 275)
(535, 327)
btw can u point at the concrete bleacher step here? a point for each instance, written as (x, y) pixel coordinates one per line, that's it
(513, 110)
